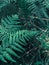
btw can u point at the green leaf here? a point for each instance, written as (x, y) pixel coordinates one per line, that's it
(8, 57)
(10, 51)
(2, 59)
(16, 48)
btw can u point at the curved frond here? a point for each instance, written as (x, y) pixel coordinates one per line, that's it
(15, 41)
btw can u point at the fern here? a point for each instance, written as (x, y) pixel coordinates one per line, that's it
(24, 27)
(15, 41)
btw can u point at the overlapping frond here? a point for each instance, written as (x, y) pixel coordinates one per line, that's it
(23, 31)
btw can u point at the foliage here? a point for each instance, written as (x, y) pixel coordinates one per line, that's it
(24, 32)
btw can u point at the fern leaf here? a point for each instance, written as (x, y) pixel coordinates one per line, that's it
(8, 57)
(16, 44)
(10, 51)
(2, 59)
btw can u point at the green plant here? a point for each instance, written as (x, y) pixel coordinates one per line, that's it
(24, 32)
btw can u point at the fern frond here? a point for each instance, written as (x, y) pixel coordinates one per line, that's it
(16, 43)
(21, 31)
